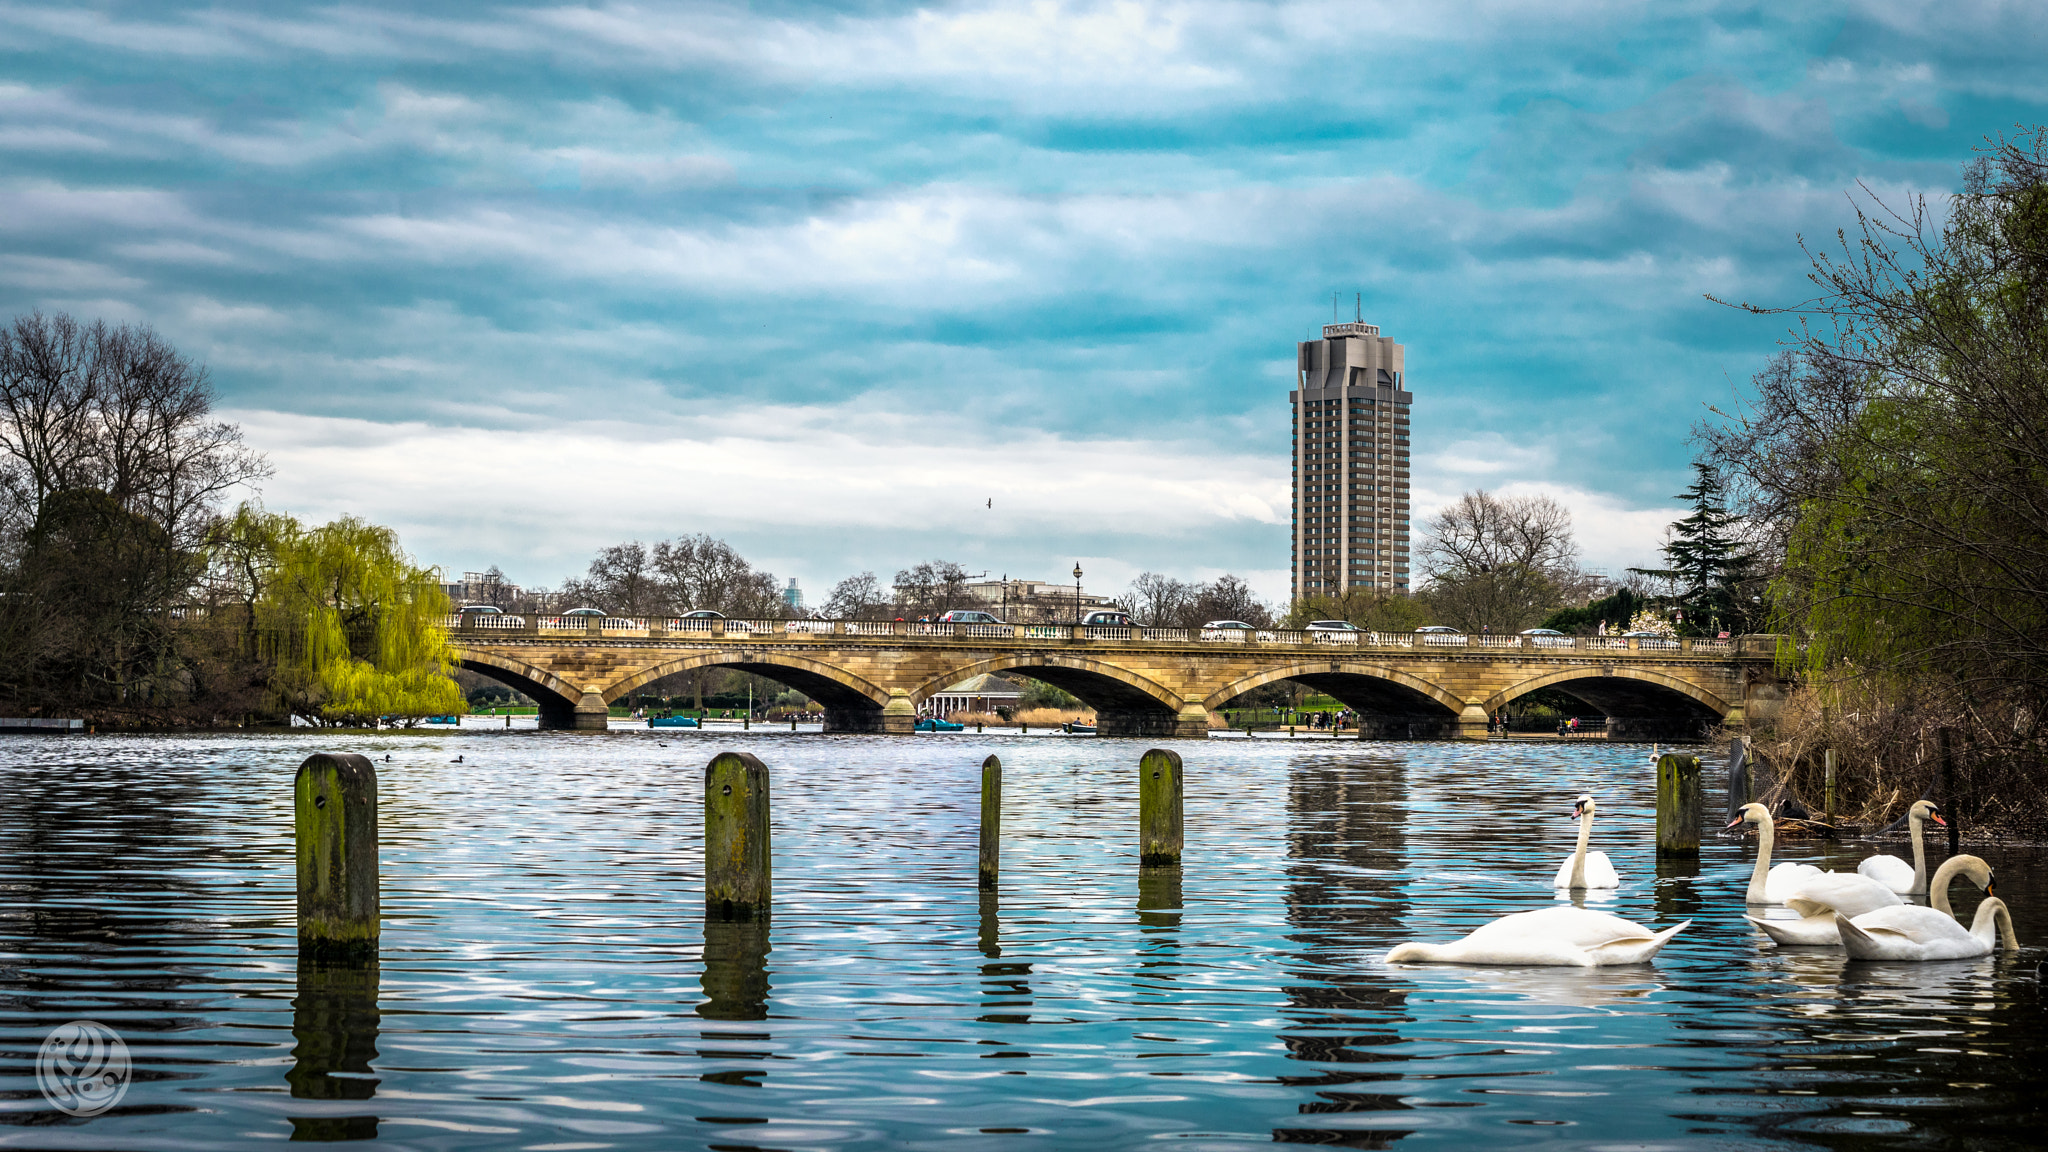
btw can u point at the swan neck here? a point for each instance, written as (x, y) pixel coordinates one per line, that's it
(1937, 890)
(1993, 925)
(1919, 825)
(1579, 857)
(1764, 840)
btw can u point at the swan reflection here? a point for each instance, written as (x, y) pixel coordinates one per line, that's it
(1567, 987)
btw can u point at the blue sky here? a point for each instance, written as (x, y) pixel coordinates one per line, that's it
(523, 280)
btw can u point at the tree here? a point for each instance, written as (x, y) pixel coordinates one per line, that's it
(1896, 455)
(1158, 601)
(352, 626)
(700, 571)
(1227, 597)
(1373, 609)
(856, 598)
(1709, 563)
(1499, 562)
(115, 409)
(931, 587)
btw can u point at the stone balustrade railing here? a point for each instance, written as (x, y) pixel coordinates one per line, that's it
(614, 627)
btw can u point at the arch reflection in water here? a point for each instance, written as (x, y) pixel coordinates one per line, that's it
(735, 969)
(1347, 851)
(335, 1024)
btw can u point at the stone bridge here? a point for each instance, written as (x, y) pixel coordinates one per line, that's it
(871, 676)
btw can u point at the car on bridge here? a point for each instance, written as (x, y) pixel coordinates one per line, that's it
(969, 616)
(480, 610)
(1547, 638)
(731, 625)
(1439, 630)
(1107, 619)
(1332, 626)
(1227, 630)
(597, 612)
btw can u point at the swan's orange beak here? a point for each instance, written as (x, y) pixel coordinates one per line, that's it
(1991, 887)
(1578, 810)
(1733, 824)
(1936, 817)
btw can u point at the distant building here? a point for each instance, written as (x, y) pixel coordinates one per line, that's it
(983, 693)
(481, 588)
(1350, 418)
(1032, 601)
(793, 596)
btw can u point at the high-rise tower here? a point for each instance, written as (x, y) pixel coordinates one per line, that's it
(1350, 463)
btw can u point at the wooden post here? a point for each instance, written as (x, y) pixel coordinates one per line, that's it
(335, 823)
(1738, 775)
(1947, 738)
(991, 820)
(1828, 786)
(1678, 805)
(1159, 818)
(736, 850)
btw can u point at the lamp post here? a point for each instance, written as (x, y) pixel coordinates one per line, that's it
(1077, 593)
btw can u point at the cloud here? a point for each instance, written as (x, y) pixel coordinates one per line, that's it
(536, 277)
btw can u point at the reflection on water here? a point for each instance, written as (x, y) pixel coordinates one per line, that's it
(334, 1029)
(547, 978)
(735, 968)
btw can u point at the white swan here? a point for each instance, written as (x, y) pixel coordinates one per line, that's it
(1768, 885)
(1584, 869)
(1916, 932)
(1555, 936)
(1818, 901)
(1891, 871)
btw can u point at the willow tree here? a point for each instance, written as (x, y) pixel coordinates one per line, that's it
(351, 624)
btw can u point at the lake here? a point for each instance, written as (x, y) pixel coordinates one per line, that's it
(547, 980)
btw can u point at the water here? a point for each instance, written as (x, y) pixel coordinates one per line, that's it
(546, 981)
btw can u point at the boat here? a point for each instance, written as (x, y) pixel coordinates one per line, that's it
(934, 724)
(673, 722)
(1080, 729)
(444, 720)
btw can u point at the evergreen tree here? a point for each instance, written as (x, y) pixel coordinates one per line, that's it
(1708, 561)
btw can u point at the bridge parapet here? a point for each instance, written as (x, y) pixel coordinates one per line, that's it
(896, 631)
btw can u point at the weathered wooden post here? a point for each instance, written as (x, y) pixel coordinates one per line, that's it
(991, 820)
(1678, 805)
(1947, 738)
(1828, 786)
(335, 823)
(1159, 818)
(736, 850)
(1738, 775)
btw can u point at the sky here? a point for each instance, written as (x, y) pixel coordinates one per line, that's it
(1011, 284)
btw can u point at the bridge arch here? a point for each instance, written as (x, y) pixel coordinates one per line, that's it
(1388, 700)
(852, 704)
(556, 697)
(1126, 703)
(1640, 703)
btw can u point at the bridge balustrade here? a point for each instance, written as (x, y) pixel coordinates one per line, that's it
(1175, 635)
(1350, 638)
(624, 624)
(870, 628)
(808, 627)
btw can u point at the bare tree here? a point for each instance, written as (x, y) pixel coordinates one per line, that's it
(856, 598)
(115, 409)
(700, 571)
(933, 586)
(1226, 598)
(1499, 562)
(1158, 601)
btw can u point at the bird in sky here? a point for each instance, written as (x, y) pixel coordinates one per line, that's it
(991, 501)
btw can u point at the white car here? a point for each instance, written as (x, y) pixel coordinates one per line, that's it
(1547, 638)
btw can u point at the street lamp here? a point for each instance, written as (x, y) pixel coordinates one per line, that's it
(1077, 593)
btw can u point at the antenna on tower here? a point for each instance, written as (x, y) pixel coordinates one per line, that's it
(1333, 306)
(1360, 304)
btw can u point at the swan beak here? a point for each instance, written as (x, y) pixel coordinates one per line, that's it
(1936, 817)
(1733, 824)
(1991, 887)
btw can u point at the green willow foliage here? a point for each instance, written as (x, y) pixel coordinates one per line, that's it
(1898, 454)
(351, 626)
